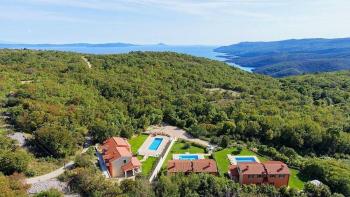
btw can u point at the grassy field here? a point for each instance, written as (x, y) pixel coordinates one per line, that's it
(136, 142)
(295, 181)
(222, 159)
(179, 148)
(148, 165)
(223, 164)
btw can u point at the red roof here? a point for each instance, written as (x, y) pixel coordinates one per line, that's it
(251, 168)
(121, 141)
(268, 167)
(179, 166)
(200, 165)
(276, 167)
(132, 164)
(204, 165)
(116, 147)
(233, 170)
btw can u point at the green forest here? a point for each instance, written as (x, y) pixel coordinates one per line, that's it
(291, 57)
(59, 100)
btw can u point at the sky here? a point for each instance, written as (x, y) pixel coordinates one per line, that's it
(177, 22)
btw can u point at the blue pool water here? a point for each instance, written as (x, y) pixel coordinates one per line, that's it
(155, 144)
(245, 159)
(188, 157)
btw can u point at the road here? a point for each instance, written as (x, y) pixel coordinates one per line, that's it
(52, 174)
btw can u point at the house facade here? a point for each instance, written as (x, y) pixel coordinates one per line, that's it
(118, 158)
(194, 166)
(271, 172)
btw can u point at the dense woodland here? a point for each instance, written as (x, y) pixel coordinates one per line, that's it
(58, 99)
(291, 57)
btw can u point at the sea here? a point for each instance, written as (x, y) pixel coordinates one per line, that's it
(195, 50)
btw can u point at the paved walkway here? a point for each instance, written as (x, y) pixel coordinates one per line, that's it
(176, 132)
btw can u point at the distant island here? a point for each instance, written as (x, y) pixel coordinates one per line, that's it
(290, 57)
(118, 44)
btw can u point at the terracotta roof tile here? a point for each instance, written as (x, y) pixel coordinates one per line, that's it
(179, 166)
(133, 163)
(251, 168)
(276, 167)
(121, 141)
(201, 165)
(204, 165)
(233, 170)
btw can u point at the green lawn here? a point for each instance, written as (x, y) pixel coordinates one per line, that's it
(136, 142)
(178, 148)
(147, 165)
(295, 181)
(223, 164)
(222, 159)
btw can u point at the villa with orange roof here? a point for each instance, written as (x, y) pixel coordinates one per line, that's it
(270, 172)
(195, 166)
(118, 158)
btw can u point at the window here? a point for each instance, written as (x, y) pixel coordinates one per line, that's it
(250, 176)
(281, 175)
(272, 176)
(259, 176)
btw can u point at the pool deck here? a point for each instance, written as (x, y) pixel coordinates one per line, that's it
(177, 156)
(145, 151)
(233, 161)
(175, 132)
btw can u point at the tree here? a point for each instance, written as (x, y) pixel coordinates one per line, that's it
(13, 161)
(313, 190)
(57, 140)
(225, 141)
(101, 131)
(49, 193)
(165, 187)
(83, 160)
(13, 186)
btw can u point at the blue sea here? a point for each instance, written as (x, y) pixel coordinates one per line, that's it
(199, 51)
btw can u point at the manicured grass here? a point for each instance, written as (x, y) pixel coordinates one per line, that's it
(295, 181)
(136, 142)
(147, 165)
(222, 159)
(179, 148)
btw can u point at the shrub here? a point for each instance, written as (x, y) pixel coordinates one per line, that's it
(49, 193)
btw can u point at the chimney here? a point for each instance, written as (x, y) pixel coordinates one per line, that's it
(281, 168)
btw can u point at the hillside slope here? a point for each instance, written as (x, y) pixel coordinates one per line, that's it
(56, 92)
(59, 99)
(291, 57)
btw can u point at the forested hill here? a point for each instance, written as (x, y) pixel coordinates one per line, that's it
(61, 97)
(291, 57)
(57, 93)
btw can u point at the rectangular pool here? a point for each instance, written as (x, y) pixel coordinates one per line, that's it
(188, 157)
(155, 143)
(245, 159)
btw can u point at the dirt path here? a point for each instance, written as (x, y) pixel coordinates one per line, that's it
(86, 61)
(53, 174)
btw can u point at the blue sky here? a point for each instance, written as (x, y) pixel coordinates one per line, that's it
(207, 22)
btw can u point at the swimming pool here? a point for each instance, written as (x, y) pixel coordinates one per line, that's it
(245, 159)
(155, 143)
(188, 157)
